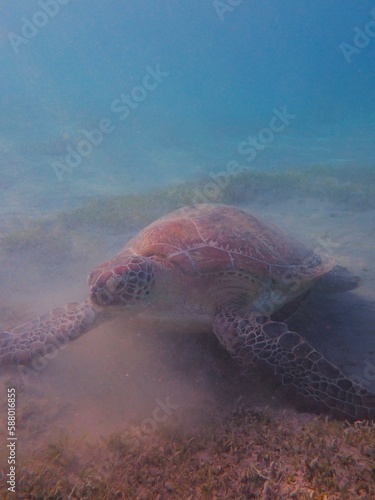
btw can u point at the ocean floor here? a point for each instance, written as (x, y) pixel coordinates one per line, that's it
(86, 422)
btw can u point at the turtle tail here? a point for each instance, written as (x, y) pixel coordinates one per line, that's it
(314, 383)
(48, 333)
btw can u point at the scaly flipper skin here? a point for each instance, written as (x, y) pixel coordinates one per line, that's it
(253, 339)
(48, 332)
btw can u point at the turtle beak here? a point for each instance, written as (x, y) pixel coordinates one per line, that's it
(100, 294)
(112, 287)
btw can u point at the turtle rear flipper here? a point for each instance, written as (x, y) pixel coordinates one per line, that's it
(338, 279)
(48, 333)
(317, 384)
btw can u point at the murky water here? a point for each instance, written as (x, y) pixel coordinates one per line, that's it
(115, 114)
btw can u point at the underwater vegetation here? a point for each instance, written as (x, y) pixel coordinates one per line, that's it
(354, 188)
(247, 454)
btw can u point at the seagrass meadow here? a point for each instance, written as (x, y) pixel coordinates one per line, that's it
(246, 454)
(231, 434)
(353, 188)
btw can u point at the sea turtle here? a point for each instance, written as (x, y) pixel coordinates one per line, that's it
(225, 268)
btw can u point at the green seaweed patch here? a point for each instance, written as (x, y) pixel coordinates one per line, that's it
(43, 237)
(127, 212)
(354, 188)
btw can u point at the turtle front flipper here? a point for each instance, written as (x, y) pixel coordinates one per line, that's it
(317, 384)
(48, 333)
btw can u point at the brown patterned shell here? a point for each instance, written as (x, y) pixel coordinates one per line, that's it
(208, 238)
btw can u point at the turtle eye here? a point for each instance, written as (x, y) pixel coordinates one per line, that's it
(116, 283)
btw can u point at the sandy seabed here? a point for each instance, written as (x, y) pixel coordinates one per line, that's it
(137, 409)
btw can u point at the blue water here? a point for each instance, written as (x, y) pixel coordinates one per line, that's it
(103, 98)
(218, 71)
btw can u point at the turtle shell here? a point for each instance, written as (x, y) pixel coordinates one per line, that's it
(202, 239)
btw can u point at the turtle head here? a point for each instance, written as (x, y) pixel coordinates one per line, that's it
(124, 281)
